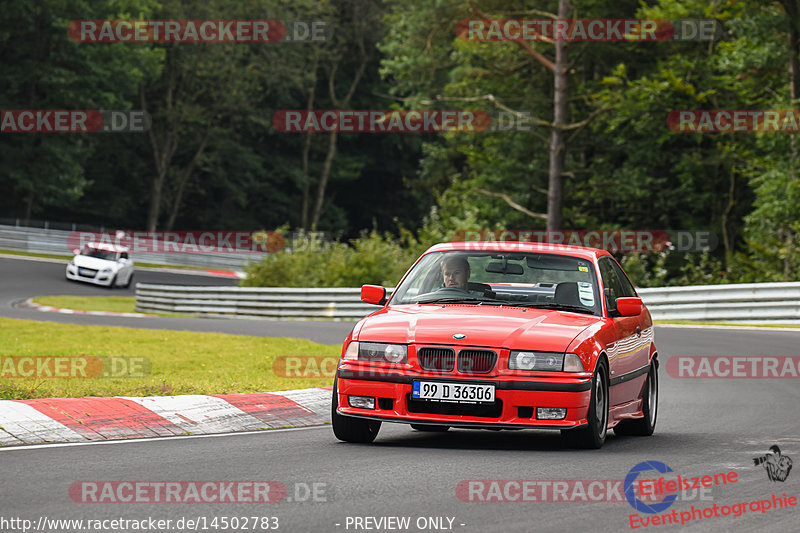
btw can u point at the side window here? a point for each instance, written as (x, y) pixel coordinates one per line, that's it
(123, 255)
(610, 284)
(626, 288)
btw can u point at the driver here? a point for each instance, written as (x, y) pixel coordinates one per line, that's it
(455, 272)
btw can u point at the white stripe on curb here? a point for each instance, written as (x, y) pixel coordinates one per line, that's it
(317, 400)
(23, 423)
(199, 414)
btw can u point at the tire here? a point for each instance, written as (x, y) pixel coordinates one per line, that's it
(430, 428)
(593, 435)
(350, 429)
(128, 283)
(113, 281)
(645, 426)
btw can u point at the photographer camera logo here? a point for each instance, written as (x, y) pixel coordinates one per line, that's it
(777, 466)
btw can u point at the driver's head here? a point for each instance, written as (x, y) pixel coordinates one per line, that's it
(455, 271)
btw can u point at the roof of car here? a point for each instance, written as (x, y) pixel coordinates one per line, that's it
(107, 247)
(514, 246)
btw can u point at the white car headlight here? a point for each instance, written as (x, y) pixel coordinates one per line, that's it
(547, 361)
(377, 351)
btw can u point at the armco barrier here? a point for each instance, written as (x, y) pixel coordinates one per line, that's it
(751, 303)
(742, 303)
(265, 302)
(53, 241)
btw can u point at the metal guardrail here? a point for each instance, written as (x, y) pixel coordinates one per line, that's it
(53, 241)
(742, 303)
(777, 303)
(264, 302)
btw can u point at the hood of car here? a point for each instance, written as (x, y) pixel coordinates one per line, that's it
(514, 328)
(94, 263)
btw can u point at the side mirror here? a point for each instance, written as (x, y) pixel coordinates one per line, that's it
(629, 306)
(373, 294)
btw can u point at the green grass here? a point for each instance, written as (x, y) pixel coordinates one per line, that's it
(114, 304)
(182, 362)
(708, 323)
(70, 256)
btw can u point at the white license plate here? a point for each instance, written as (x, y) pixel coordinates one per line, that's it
(85, 272)
(453, 392)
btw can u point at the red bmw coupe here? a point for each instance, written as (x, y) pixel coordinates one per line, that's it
(502, 335)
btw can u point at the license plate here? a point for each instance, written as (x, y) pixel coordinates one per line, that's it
(453, 392)
(85, 272)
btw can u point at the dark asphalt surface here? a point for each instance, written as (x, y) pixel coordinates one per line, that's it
(22, 279)
(705, 427)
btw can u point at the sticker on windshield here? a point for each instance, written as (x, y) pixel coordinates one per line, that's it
(583, 268)
(586, 294)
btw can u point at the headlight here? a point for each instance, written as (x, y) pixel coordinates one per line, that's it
(547, 361)
(376, 351)
(573, 363)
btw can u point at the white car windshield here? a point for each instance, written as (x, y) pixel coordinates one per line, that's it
(99, 254)
(540, 280)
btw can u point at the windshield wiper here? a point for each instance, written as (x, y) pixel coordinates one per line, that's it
(452, 300)
(558, 307)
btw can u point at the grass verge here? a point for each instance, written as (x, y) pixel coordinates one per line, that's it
(181, 362)
(114, 304)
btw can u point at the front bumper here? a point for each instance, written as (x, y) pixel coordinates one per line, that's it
(516, 400)
(99, 278)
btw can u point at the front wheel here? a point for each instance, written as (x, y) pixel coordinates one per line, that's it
(645, 426)
(593, 435)
(348, 428)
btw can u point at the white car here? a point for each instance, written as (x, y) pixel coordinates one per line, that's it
(102, 264)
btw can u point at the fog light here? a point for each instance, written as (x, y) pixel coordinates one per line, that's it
(362, 402)
(551, 413)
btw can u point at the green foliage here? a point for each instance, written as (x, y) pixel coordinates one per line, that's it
(625, 168)
(372, 258)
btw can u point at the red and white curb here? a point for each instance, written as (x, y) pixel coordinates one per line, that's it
(126, 417)
(227, 274)
(30, 304)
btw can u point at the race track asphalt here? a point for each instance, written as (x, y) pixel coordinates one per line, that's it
(22, 279)
(705, 427)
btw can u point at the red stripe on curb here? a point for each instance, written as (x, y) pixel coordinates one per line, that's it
(277, 411)
(105, 418)
(223, 273)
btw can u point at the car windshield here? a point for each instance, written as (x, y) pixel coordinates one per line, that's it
(539, 280)
(99, 254)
